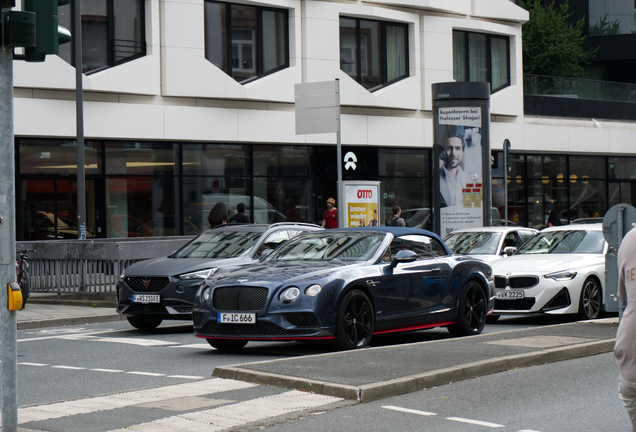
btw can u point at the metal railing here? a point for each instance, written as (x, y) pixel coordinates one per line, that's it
(540, 85)
(90, 266)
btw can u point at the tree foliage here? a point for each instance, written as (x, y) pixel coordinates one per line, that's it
(551, 44)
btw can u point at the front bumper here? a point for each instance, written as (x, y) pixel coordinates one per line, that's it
(176, 298)
(548, 296)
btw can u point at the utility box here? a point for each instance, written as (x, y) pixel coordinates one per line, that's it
(19, 29)
(617, 222)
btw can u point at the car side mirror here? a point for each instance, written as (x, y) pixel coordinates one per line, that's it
(509, 250)
(403, 257)
(265, 254)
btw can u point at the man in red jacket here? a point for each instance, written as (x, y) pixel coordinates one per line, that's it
(330, 217)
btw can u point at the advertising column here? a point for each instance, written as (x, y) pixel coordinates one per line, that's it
(361, 199)
(461, 156)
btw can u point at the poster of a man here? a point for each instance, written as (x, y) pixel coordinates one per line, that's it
(460, 168)
(452, 177)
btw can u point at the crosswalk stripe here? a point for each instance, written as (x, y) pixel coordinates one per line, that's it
(238, 414)
(408, 410)
(475, 422)
(121, 400)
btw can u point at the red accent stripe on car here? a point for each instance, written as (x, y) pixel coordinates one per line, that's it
(270, 339)
(419, 327)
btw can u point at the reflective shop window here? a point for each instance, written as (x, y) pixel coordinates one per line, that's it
(141, 206)
(588, 198)
(481, 57)
(283, 199)
(113, 32)
(621, 168)
(48, 209)
(608, 17)
(200, 194)
(544, 196)
(246, 42)
(374, 53)
(215, 159)
(283, 160)
(145, 158)
(517, 212)
(42, 156)
(404, 162)
(586, 167)
(412, 196)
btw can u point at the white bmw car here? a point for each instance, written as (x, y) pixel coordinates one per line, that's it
(488, 243)
(561, 270)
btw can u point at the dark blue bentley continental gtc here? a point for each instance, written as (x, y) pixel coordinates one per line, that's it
(346, 285)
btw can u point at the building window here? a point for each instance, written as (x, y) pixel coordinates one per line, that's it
(374, 53)
(113, 32)
(246, 42)
(481, 57)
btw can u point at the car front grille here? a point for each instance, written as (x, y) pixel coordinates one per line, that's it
(146, 308)
(516, 282)
(261, 328)
(239, 298)
(302, 319)
(179, 305)
(147, 284)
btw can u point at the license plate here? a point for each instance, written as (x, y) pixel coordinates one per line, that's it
(506, 295)
(146, 298)
(236, 318)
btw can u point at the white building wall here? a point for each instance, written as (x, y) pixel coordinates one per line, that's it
(175, 94)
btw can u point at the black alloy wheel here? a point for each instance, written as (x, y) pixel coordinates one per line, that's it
(355, 321)
(591, 300)
(143, 324)
(471, 314)
(227, 344)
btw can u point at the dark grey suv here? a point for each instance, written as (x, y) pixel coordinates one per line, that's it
(153, 290)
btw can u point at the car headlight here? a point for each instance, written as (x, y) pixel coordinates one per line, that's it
(313, 290)
(289, 295)
(204, 293)
(200, 274)
(562, 275)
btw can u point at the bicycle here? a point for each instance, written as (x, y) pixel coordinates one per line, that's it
(22, 273)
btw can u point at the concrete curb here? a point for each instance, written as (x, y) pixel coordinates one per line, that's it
(394, 387)
(58, 322)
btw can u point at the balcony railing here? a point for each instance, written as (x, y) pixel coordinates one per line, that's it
(540, 85)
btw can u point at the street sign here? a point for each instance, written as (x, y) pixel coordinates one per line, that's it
(317, 107)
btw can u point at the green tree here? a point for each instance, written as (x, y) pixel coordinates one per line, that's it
(551, 45)
(604, 27)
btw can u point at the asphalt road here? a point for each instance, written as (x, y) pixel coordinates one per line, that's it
(574, 395)
(64, 363)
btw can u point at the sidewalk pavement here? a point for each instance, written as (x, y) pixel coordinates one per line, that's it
(53, 314)
(375, 373)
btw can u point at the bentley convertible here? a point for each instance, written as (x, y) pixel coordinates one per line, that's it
(346, 285)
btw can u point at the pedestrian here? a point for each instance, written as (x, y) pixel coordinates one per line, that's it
(330, 217)
(240, 217)
(553, 219)
(625, 347)
(396, 220)
(218, 215)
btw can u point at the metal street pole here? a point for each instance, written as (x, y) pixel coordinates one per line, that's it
(79, 105)
(7, 245)
(342, 214)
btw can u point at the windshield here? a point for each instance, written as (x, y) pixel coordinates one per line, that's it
(579, 241)
(218, 244)
(473, 243)
(344, 246)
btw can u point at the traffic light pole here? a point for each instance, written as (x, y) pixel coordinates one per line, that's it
(8, 317)
(79, 112)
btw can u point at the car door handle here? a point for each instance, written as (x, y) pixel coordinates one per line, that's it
(435, 270)
(373, 283)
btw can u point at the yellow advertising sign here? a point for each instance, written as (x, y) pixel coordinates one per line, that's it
(361, 199)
